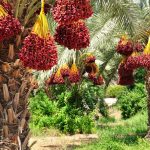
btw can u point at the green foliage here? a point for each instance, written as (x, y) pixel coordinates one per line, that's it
(133, 101)
(71, 120)
(107, 120)
(115, 91)
(125, 135)
(84, 97)
(140, 75)
(103, 108)
(42, 109)
(59, 114)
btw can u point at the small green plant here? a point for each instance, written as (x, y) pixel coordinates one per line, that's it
(140, 75)
(133, 101)
(42, 109)
(107, 120)
(103, 108)
(115, 91)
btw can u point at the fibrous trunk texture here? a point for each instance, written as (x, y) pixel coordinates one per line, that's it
(148, 102)
(15, 88)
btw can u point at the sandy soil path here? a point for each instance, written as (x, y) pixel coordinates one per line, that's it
(60, 143)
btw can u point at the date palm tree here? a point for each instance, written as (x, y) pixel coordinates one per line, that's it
(16, 82)
(123, 17)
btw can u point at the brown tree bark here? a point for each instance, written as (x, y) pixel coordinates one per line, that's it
(15, 88)
(148, 102)
(16, 82)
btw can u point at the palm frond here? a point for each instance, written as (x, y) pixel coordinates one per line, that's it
(31, 13)
(21, 8)
(102, 35)
(112, 72)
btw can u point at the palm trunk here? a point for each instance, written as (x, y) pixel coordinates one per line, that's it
(15, 89)
(148, 101)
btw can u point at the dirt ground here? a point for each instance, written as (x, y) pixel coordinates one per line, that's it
(60, 143)
(113, 112)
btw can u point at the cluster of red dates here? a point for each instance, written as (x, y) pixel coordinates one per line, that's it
(71, 31)
(38, 53)
(9, 26)
(134, 57)
(73, 74)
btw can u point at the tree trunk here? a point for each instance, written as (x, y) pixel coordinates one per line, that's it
(148, 102)
(15, 88)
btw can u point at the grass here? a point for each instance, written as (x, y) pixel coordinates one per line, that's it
(40, 132)
(107, 120)
(124, 135)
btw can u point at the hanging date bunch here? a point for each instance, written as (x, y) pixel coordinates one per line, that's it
(125, 75)
(39, 51)
(68, 11)
(73, 36)
(64, 72)
(125, 46)
(74, 76)
(90, 66)
(90, 58)
(9, 26)
(145, 57)
(93, 74)
(58, 78)
(92, 69)
(71, 31)
(138, 59)
(98, 80)
(7, 6)
(134, 61)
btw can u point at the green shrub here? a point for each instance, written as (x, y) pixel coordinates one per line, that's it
(133, 101)
(71, 110)
(42, 108)
(85, 99)
(103, 108)
(140, 75)
(59, 114)
(115, 91)
(71, 120)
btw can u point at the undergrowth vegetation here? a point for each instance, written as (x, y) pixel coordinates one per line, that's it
(123, 135)
(66, 118)
(71, 111)
(131, 99)
(76, 111)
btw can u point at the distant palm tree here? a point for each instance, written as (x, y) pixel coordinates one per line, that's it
(113, 19)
